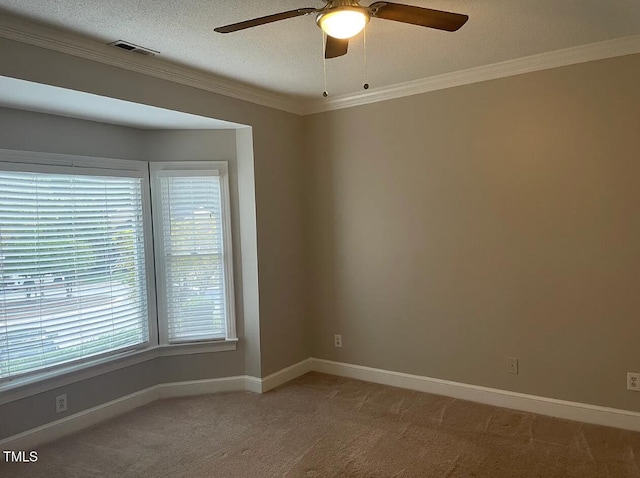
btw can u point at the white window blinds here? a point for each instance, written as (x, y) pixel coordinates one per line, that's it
(195, 274)
(72, 269)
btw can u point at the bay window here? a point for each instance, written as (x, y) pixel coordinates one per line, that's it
(78, 273)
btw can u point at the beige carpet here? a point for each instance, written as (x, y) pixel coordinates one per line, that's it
(325, 426)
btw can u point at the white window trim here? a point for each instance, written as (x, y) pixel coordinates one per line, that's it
(190, 168)
(38, 382)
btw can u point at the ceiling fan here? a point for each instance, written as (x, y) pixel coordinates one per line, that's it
(343, 19)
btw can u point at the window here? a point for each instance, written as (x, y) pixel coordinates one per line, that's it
(193, 248)
(72, 269)
(78, 273)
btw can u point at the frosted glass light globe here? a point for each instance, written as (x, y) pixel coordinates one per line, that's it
(343, 23)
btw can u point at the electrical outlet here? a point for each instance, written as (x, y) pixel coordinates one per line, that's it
(61, 403)
(633, 381)
(512, 365)
(337, 340)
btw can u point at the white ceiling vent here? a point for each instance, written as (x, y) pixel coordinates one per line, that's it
(134, 48)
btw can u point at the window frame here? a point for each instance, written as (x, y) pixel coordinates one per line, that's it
(21, 161)
(157, 170)
(39, 381)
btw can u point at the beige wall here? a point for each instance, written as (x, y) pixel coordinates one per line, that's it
(458, 227)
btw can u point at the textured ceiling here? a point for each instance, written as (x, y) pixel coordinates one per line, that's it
(286, 57)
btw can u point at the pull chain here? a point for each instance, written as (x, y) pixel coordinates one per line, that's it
(364, 67)
(325, 93)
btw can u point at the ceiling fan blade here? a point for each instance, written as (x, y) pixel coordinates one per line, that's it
(424, 17)
(335, 47)
(234, 27)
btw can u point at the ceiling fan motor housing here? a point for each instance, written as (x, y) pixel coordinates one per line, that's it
(343, 3)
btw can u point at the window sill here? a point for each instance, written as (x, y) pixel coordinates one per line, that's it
(26, 387)
(198, 347)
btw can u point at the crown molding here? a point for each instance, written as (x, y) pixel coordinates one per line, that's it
(17, 29)
(544, 61)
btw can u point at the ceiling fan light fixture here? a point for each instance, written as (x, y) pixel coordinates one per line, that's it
(343, 22)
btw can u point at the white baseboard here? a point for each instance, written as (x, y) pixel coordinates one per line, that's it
(202, 387)
(29, 439)
(582, 412)
(252, 384)
(285, 375)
